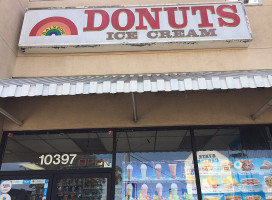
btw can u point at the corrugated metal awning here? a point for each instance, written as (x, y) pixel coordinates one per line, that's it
(20, 87)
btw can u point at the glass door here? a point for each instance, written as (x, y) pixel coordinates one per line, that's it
(93, 186)
(25, 188)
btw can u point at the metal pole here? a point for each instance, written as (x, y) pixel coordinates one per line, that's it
(6, 114)
(113, 177)
(134, 105)
(194, 150)
(262, 110)
(3, 144)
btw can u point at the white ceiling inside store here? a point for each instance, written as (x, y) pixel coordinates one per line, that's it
(21, 146)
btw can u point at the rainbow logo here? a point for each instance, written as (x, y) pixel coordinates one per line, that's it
(54, 26)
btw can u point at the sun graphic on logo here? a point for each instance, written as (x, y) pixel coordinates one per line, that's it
(53, 30)
(57, 26)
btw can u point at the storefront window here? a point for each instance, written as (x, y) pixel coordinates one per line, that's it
(82, 188)
(155, 165)
(58, 151)
(24, 189)
(235, 164)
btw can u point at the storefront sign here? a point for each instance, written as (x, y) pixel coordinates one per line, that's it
(74, 161)
(92, 162)
(57, 159)
(135, 28)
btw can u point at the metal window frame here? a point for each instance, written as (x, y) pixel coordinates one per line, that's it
(111, 171)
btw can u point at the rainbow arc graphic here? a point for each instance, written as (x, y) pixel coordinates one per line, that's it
(54, 26)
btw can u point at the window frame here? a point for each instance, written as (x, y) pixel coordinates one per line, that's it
(15, 174)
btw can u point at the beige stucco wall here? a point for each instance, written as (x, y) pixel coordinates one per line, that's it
(73, 3)
(11, 18)
(257, 56)
(154, 109)
(11, 12)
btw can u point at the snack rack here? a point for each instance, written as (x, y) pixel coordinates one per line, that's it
(80, 188)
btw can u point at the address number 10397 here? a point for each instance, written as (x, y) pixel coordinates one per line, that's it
(57, 159)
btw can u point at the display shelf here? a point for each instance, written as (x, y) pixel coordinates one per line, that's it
(69, 193)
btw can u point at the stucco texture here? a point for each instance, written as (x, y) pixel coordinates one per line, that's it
(257, 56)
(12, 12)
(154, 109)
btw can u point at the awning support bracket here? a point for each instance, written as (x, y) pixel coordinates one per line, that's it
(134, 106)
(12, 118)
(262, 110)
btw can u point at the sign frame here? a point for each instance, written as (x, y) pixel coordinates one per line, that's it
(187, 38)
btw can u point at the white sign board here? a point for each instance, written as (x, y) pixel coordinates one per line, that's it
(135, 28)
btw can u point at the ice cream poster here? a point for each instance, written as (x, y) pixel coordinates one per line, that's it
(158, 180)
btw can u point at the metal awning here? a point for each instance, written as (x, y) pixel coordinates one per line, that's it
(48, 86)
